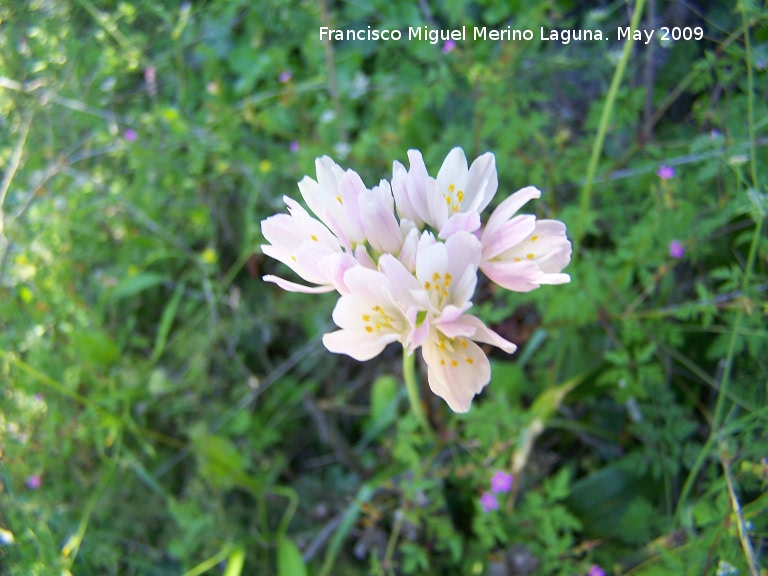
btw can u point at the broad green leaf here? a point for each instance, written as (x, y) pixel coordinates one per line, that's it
(383, 393)
(289, 560)
(134, 284)
(235, 562)
(95, 347)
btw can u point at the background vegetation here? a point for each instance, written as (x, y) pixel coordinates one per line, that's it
(163, 411)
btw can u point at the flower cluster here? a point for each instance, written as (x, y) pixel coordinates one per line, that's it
(404, 256)
(501, 482)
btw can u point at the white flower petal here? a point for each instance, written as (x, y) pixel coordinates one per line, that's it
(293, 287)
(359, 346)
(482, 183)
(458, 369)
(508, 207)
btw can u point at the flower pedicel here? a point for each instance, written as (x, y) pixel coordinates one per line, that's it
(404, 256)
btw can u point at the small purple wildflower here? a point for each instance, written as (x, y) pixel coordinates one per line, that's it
(34, 482)
(501, 482)
(676, 250)
(294, 146)
(665, 172)
(285, 76)
(595, 570)
(488, 502)
(130, 135)
(448, 46)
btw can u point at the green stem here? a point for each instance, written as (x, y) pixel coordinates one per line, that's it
(409, 375)
(597, 147)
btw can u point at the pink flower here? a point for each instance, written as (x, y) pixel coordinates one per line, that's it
(451, 202)
(521, 253)
(488, 502)
(285, 76)
(130, 135)
(423, 309)
(595, 570)
(308, 248)
(665, 172)
(501, 482)
(404, 257)
(676, 250)
(335, 199)
(448, 46)
(34, 482)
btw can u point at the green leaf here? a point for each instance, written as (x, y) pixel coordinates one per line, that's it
(166, 321)
(236, 561)
(95, 347)
(383, 394)
(134, 284)
(289, 560)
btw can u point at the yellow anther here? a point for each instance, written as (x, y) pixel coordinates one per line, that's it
(463, 343)
(454, 363)
(448, 200)
(451, 188)
(339, 199)
(293, 257)
(460, 195)
(314, 237)
(436, 276)
(376, 308)
(448, 277)
(469, 360)
(427, 285)
(442, 362)
(530, 256)
(369, 328)
(534, 238)
(516, 259)
(366, 317)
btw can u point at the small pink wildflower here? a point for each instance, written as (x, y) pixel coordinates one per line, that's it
(501, 482)
(285, 76)
(130, 135)
(488, 502)
(676, 250)
(595, 570)
(34, 482)
(448, 46)
(665, 172)
(294, 146)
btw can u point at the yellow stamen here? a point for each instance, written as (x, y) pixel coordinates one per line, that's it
(314, 237)
(454, 363)
(534, 238)
(530, 256)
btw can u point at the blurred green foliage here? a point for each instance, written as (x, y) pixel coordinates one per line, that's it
(163, 411)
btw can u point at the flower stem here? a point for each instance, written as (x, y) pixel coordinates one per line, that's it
(409, 375)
